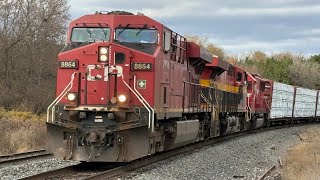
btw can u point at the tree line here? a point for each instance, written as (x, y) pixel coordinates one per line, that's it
(285, 67)
(31, 36)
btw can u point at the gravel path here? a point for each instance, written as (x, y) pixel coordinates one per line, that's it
(30, 167)
(245, 157)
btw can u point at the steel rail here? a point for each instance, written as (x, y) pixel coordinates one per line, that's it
(77, 171)
(51, 174)
(267, 172)
(9, 158)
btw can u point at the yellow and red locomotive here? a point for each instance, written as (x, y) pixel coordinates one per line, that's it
(129, 87)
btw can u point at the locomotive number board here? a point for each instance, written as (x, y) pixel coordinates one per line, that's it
(141, 66)
(68, 64)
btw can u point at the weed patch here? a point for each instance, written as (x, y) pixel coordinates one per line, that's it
(21, 131)
(303, 160)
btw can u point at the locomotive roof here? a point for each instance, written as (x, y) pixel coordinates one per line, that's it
(115, 19)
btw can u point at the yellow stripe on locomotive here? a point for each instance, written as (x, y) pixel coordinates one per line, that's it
(219, 86)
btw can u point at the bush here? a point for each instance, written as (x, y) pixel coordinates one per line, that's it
(21, 131)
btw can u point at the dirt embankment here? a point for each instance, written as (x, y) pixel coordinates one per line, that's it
(303, 160)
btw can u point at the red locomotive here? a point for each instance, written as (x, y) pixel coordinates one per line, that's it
(129, 87)
(259, 99)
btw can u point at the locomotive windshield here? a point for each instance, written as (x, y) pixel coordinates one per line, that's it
(85, 34)
(141, 35)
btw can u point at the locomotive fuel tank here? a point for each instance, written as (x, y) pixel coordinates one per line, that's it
(258, 121)
(181, 133)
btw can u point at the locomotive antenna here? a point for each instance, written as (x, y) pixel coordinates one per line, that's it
(140, 14)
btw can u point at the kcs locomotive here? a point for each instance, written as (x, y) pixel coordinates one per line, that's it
(129, 87)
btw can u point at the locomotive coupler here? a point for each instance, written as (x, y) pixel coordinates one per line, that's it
(96, 139)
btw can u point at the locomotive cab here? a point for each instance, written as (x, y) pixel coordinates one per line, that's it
(102, 47)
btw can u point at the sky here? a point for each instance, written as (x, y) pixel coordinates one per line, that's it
(238, 26)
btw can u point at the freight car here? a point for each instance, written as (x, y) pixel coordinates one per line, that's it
(129, 87)
(292, 104)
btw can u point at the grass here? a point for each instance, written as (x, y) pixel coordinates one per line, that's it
(21, 132)
(303, 160)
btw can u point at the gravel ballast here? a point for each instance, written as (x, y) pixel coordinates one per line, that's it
(31, 167)
(247, 157)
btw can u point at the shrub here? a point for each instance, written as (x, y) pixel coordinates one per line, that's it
(21, 131)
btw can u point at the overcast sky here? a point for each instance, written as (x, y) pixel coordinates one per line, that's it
(239, 26)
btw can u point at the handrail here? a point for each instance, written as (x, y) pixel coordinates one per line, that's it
(201, 94)
(187, 82)
(152, 114)
(249, 109)
(58, 99)
(205, 99)
(139, 98)
(210, 95)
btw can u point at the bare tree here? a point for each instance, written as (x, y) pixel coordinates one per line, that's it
(31, 35)
(306, 74)
(258, 56)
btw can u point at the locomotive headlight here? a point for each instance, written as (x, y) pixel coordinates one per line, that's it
(103, 54)
(103, 50)
(71, 97)
(103, 58)
(122, 98)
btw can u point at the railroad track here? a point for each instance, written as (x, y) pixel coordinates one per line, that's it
(267, 172)
(79, 171)
(23, 156)
(91, 171)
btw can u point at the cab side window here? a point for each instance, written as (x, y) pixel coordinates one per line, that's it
(239, 77)
(249, 86)
(262, 86)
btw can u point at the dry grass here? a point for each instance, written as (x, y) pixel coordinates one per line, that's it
(21, 131)
(303, 160)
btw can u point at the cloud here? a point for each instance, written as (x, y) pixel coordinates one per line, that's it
(310, 32)
(272, 47)
(238, 26)
(276, 11)
(189, 9)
